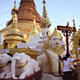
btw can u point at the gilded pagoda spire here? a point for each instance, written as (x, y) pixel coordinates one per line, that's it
(14, 17)
(45, 20)
(15, 8)
(44, 9)
(34, 30)
(17, 35)
(14, 35)
(73, 22)
(73, 26)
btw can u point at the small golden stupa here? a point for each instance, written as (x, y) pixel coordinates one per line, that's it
(33, 32)
(13, 35)
(26, 14)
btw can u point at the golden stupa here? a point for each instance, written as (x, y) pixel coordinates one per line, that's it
(24, 21)
(26, 14)
(33, 32)
(13, 35)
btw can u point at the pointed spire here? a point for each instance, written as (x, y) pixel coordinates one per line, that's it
(15, 22)
(14, 10)
(44, 10)
(14, 13)
(15, 5)
(56, 33)
(45, 20)
(74, 25)
(34, 30)
(14, 18)
(17, 34)
(73, 22)
(44, 1)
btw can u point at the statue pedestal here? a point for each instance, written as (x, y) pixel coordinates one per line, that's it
(35, 76)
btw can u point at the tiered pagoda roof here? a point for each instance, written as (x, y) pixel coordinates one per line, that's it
(27, 11)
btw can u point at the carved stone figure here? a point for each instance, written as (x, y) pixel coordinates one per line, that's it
(23, 66)
(5, 66)
(53, 49)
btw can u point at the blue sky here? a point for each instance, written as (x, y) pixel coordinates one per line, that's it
(59, 11)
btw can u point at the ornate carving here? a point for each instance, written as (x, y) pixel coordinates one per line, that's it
(45, 20)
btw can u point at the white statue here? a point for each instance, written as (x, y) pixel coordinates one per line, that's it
(53, 49)
(5, 66)
(23, 66)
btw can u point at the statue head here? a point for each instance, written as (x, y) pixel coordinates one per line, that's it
(56, 39)
(4, 58)
(21, 57)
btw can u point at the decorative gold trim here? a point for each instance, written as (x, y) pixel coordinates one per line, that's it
(49, 61)
(45, 47)
(57, 51)
(56, 33)
(22, 65)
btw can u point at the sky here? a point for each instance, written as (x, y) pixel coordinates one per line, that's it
(59, 11)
